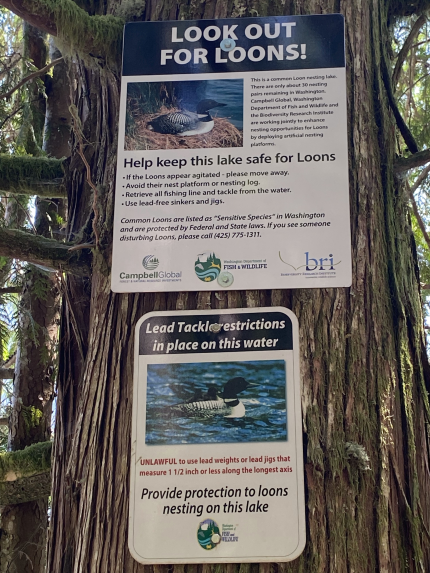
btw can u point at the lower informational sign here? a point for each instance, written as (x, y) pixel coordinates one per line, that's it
(217, 462)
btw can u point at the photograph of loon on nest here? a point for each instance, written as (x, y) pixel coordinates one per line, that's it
(216, 402)
(184, 115)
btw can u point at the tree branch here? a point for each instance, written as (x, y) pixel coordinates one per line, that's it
(413, 85)
(34, 459)
(403, 128)
(47, 253)
(30, 77)
(421, 177)
(25, 489)
(4, 421)
(10, 290)
(43, 21)
(54, 189)
(26, 175)
(407, 7)
(403, 164)
(11, 361)
(417, 215)
(415, 30)
(99, 36)
(6, 373)
(25, 475)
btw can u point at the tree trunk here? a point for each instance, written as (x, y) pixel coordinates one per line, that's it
(57, 117)
(35, 49)
(365, 376)
(23, 539)
(25, 511)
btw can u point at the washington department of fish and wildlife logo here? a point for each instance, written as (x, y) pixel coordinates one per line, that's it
(208, 534)
(150, 262)
(207, 267)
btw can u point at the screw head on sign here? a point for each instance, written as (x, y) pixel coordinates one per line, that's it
(227, 44)
(225, 279)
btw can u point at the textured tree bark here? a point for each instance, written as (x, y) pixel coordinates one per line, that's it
(47, 253)
(365, 376)
(57, 117)
(27, 175)
(31, 132)
(7, 373)
(29, 556)
(23, 490)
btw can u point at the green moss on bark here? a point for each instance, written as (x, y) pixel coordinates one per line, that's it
(31, 460)
(14, 168)
(47, 253)
(26, 175)
(96, 35)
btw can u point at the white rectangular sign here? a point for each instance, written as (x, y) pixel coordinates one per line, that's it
(217, 460)
(232, 157)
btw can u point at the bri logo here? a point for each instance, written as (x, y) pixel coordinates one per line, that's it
(313, 264)
(322, 264)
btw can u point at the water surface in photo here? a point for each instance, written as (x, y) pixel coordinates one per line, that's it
(190, 403)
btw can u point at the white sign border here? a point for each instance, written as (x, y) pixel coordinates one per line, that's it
(298, 432)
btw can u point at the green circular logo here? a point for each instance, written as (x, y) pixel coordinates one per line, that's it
(208, 534)
(207, 267)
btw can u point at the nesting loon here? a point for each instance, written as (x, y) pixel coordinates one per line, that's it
(227, 403)
(186, 122)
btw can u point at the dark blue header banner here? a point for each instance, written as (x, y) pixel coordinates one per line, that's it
(234, 45)
(200, 333)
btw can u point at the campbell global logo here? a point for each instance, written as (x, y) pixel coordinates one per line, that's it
(208, 534)
(207, 267)
(150, 262)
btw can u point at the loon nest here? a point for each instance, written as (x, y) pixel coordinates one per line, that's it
(223, 134)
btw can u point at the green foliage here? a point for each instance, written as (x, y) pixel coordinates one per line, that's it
(8, 324)
(413, 89)
(423, 253)
(41, 285)
(148, 97)
(131, 10)
(413, 100)
(75, 27)
(32, 416)
(10, 74)
(31, 460)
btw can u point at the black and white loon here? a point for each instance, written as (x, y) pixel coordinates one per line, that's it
(186, 122)
(227, 403)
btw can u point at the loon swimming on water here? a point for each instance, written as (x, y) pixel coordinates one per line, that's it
(227, 403)
(186, 122)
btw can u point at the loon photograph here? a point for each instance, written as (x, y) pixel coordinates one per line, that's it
(184, 115)
(216, 402)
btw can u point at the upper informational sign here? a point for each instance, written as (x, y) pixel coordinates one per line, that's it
(232, 156)
(217, 455)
